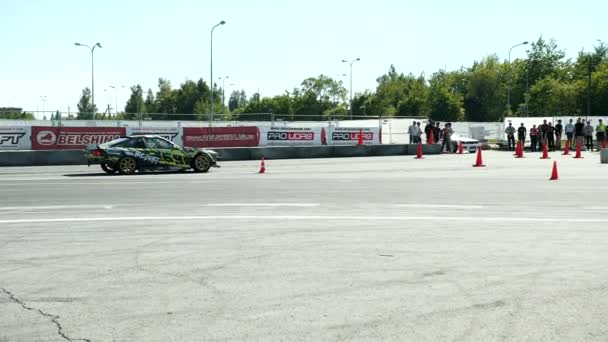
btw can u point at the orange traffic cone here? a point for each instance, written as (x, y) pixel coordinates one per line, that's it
(566, 149)
(460, 149)
(516, 154)
(360, 140)
(431, 137)
(263, 166)
(419, 151)
(554, 172)
(479, 162)
(578, 152)
(545, 152)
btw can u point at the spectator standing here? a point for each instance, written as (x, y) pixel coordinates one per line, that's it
(559, 129)
(600, 132)
(437, 132)
(419, 132)
(510, 132)
(521, 134)
(569, 132)
(551, 136)
(412, 132)
(427, 130)
(579, 137)
(447, 137)
(588, 132)
(534, 132)
(543, 134)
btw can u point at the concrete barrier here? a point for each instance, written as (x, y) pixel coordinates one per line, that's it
(76, 157)
(426, 149)
(41, 158)
(604, 156)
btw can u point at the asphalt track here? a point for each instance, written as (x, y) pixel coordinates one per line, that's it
(358, 249)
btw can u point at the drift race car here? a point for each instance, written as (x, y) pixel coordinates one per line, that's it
(148, 152)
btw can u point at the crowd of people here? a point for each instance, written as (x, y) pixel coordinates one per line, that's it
(440, 135)
(551, 135)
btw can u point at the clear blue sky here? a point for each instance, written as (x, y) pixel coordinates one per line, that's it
(267, 45)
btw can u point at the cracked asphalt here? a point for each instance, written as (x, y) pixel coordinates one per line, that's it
(360, 249)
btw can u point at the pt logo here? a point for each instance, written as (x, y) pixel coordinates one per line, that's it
(46, 138)
(10, 138)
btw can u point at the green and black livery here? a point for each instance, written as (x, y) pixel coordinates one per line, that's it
(149, 152)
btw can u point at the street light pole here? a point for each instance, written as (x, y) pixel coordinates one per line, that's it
(509, 83)
(43, 97)
(92, 72)
(350, 106)
(116, 98)
(211, 78)
(223, 91)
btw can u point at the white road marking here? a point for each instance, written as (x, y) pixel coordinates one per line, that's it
(306, 218)
(263, 205)
(52, 207)
(440, 206)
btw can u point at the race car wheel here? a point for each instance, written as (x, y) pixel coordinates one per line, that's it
(107, 168)
(201, 163)
(127, 166)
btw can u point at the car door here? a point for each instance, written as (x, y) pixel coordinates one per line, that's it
(170, 154)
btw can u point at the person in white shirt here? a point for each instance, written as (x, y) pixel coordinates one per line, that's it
(412, 131)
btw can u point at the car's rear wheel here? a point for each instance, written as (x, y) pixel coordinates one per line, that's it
(201, 163)
(108, 168)
(127, 166)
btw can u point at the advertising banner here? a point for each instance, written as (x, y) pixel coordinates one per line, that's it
(170, 133)
(72, 138)
(291, 136)
(247, 136)
(15, 138)
(350, 135)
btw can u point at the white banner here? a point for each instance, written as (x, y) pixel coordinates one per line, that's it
(290, 136)
(16, 138)
(350, 135)
(170, 133)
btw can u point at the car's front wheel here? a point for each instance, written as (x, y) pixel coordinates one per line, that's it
(107, 168)
(127, 166)
(201, 163)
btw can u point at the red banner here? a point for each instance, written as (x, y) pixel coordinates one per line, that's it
(221, 136)
(73, 138)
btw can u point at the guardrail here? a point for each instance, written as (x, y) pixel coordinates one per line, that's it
(76, 157)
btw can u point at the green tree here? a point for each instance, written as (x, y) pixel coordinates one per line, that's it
(150, 103)
(86, 110)
(444, 102)
(15, 113)
(135, 104)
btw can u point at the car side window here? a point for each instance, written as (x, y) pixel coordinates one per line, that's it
(162, 144)
(139, 143)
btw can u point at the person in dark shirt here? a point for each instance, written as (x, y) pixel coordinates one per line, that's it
(559, 129)
(579, 137)
(543, 133)
(521, 134)
(427, 130)
(437, 132)
(551, 137)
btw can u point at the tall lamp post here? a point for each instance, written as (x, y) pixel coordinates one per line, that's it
(509, 83)
(350, 106)
(223, 91)
(211, 78)
(116, 98)
(43, 97)
(92, 72)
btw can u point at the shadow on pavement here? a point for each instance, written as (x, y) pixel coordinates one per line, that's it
(140, 174)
